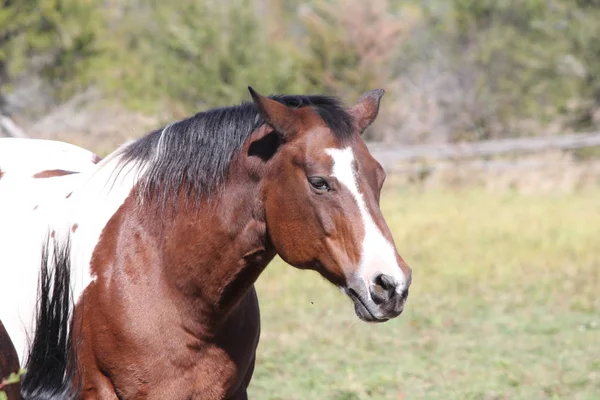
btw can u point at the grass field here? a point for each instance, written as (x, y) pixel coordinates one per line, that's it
(505, 304)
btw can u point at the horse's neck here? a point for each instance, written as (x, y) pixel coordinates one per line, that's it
(221, 251)
(206, 259)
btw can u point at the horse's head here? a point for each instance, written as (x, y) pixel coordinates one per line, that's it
(321, 192)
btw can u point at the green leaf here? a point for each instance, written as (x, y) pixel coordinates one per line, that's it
(15, 377)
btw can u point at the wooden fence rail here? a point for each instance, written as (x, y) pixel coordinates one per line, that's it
(397, 153)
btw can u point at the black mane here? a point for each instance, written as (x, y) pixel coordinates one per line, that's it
(197, 151)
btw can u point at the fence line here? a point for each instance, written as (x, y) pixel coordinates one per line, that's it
(398, 153)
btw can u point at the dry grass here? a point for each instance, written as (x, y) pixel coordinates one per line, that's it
(544, 172)
(504, 305)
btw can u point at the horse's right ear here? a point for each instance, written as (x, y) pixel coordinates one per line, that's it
(366, 110)
(281, 117)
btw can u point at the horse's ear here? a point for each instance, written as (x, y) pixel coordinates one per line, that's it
(281, 117)
(365, 110)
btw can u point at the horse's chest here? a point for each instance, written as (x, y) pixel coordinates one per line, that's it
(178, 366)
(217, 377)
(214, 374)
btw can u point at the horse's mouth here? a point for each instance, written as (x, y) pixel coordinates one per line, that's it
(361, 309)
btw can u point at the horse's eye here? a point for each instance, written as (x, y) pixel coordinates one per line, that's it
(319, 183)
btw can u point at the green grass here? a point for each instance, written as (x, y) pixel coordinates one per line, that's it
(505, 304)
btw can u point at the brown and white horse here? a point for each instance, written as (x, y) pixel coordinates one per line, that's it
(149, 256)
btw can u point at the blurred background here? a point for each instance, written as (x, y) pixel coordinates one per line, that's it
(489, 130)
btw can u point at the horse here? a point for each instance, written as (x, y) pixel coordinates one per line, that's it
(148, 257)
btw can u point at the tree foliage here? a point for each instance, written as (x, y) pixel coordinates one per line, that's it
(457, 69)
(206, 53)
(55, 38)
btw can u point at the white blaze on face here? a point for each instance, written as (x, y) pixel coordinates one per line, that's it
(377, 254)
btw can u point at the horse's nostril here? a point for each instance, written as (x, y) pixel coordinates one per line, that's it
(387, 282)
(379, 294)
(383, 289)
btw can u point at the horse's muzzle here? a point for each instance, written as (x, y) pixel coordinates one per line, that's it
(383, 300)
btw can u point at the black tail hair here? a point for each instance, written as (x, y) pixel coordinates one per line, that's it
(51, 367)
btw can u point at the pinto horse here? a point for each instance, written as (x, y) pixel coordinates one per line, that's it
(148, 257)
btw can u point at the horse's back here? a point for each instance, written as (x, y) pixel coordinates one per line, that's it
(27, 156)
(28, 213)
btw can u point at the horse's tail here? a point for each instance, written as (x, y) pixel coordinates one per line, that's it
(51, 367)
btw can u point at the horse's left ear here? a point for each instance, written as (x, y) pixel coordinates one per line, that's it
(281, 117)
(365, 110)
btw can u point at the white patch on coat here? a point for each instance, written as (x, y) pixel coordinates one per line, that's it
(377, 254)
(30, 156)
(32, 208)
